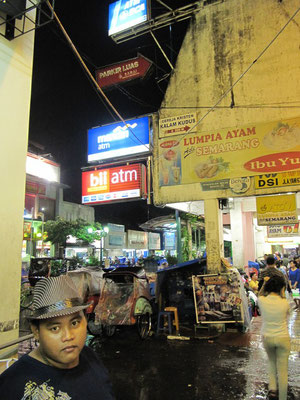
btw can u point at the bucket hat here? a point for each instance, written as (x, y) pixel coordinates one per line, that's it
(55, 297)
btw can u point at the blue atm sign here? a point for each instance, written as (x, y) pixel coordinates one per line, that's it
(119, 140)
(124, 14)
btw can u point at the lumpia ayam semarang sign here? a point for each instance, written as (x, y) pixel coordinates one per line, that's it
(253, 149)
(119, 139)
(123, 72)
(105, 185)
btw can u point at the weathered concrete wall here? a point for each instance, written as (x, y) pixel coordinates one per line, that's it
(223, 40)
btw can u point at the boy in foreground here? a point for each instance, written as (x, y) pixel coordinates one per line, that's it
(61, 367)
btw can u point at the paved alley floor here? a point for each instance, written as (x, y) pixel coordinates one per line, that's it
(230, 367)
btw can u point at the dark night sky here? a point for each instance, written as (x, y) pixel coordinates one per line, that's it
(65, 105)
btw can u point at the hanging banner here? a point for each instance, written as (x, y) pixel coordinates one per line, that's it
(276, 210)
(283, 231)
(254, 149)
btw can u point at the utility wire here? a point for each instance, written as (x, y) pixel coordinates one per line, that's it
(90, 75)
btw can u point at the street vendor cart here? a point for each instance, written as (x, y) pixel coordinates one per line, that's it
(124, 300)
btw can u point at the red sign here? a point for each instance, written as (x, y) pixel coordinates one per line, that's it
(123, 72)
(114, 184)
(274, 162)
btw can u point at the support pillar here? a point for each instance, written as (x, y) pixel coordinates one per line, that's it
(237, 237)
(213, 235)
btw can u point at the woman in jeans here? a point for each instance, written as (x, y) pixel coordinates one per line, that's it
(274, 310)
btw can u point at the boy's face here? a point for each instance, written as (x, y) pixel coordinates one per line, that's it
(61, 339)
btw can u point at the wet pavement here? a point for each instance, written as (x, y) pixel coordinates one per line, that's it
(231, 366)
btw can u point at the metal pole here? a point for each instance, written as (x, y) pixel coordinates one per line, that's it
(178, 237)
(160, 48)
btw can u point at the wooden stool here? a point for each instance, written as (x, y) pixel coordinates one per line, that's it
(175, 320)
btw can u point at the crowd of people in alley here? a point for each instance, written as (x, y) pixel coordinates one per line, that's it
(275, 264)
(273, 287)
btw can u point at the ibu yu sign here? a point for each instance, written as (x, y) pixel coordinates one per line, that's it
(118, 140)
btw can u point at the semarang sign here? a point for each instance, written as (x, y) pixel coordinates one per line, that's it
(123, 72)
(254, 149)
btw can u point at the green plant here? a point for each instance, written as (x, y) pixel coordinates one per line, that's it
(56, 267)
(92, 260)
(172, 260)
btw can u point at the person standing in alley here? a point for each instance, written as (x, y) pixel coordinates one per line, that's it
(61, 367)
(269, 272)
(274, 310)
(253, 284)
(294, 280)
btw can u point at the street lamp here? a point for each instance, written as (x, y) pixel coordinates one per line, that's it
(103, 234)
(42, 215)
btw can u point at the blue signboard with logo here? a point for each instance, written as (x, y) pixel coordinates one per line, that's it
(124, 14)
(118, 140)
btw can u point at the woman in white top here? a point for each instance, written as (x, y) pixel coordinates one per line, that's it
(274, 310)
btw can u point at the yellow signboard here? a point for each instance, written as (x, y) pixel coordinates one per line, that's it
(254, 149)
(276, 210)
(289, 178)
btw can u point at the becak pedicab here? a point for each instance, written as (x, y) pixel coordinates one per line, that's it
(124, 300)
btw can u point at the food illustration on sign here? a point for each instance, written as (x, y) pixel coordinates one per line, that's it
(170, 155)
(282, 137)
(211, 168)
(170, 163)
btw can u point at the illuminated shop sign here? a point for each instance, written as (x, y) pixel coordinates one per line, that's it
(117, 140)
(137, 240)
(42, 168)
(124, 14)
(107, 185)
(170, 240)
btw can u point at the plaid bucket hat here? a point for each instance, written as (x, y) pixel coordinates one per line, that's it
(55, 297)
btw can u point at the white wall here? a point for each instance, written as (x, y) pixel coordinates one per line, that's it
(16, 59)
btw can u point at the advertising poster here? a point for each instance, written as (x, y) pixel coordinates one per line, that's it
(218, 298)
(250, 150)
(276, 210)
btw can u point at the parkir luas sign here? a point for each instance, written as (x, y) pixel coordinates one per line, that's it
(123, 72)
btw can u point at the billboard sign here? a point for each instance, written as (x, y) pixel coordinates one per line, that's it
(137, 240)
(276, 210)
(283, 230)
(250, 150)
(123, 72)
(124, 14)
(107, 185)
(119, 140)
(154, 241)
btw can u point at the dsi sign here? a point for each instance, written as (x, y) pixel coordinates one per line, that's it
(124, 14)
(121, 183)
(118, 140)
